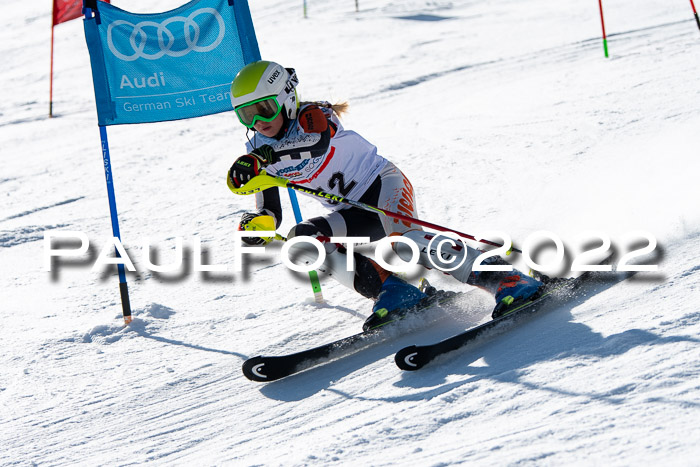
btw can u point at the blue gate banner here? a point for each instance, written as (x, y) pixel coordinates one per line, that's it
(167, 66)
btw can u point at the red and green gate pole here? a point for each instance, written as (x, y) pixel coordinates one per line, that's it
(695, 12)
(602, 22)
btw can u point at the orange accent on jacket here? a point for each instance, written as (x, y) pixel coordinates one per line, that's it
(313, 120)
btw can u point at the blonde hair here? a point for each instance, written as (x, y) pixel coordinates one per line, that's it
(339, 107)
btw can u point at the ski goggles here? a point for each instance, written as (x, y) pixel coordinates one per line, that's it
(265, 109)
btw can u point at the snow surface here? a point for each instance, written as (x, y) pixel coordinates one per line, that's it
(504, 114)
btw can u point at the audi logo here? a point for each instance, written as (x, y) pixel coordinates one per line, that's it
(166, 39)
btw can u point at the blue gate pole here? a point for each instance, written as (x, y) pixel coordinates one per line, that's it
(313, 275)
(123, 289)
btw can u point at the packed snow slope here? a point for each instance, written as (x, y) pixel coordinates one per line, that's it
(504, 114)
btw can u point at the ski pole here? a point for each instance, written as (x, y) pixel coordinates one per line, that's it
(264, 181)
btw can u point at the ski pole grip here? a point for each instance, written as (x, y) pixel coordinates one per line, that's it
(260, 182)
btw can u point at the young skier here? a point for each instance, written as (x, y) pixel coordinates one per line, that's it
(305, 143)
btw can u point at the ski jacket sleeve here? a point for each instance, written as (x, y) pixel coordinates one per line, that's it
(309, 137)
(312, 138)
(267, 202)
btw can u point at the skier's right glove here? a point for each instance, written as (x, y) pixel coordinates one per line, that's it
(247, 221)
(245, 168)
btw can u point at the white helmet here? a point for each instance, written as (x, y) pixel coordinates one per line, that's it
(261, 90)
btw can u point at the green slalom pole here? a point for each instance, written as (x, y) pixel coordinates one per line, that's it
(267, 223)
(602, 22)
(313, 275)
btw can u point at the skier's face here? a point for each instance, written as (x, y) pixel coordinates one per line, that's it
(269, 129)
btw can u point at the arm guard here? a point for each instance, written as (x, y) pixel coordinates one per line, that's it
(312, 141)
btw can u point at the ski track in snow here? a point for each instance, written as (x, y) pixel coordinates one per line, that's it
(505, 115)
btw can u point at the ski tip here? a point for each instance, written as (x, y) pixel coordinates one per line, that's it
(407, 359)
(254, 369)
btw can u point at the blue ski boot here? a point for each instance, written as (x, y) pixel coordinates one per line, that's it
(509, 288)
(395, 297)
(513, 290)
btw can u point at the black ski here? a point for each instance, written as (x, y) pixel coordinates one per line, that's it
(271, 368)
(415, 357)
(265, 369)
